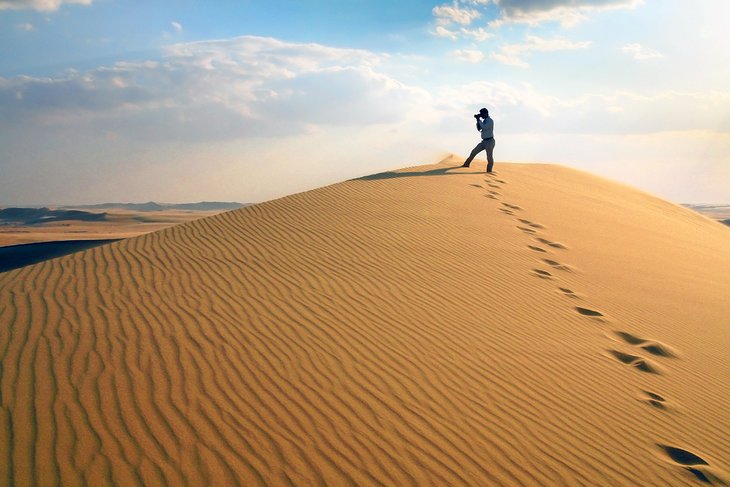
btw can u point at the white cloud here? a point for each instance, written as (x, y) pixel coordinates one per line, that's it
(522, 108)
(565, 12)
(468, 55)
(40, 5)
(511, 54)
(639, 52)
(509, 60)
(455, 14)
(27, 26)
(442, 31)
(234, 88)
(459, 15)
(177, 26)
(478, 34)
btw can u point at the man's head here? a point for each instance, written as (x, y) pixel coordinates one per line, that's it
(484, 112)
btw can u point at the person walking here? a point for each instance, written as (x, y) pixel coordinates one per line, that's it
(485, 125)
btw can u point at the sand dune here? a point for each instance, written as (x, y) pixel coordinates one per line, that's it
(430, 326)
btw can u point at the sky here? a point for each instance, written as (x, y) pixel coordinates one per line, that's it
(250, 100)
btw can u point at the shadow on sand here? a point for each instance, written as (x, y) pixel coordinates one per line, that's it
(442, 171)
(17, 256)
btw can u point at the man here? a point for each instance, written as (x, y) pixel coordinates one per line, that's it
(486, 126)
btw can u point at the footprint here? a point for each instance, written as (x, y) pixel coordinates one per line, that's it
(511, 207)
(551, 244)
(477, 186)
(650, 346)
(569, 293)
(694, 464)
(640, 363)
(506, 211)
(536, 249)
(543, 274)
(527, 230)
(588, 312)
(658, 349)
(491, 196)
(556, 265)
(530, 224)
(681, 456)
(494, 186)
(654, 400)
(629, 338)
(494, 193)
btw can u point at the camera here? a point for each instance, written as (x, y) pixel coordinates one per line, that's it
(477, 116)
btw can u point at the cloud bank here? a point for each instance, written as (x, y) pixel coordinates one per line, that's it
(565, 12)
(237, 88)
(513, 54)
(529, 12)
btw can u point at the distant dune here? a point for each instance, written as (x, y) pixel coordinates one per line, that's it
(35, 216)
(100, 222)
(428, 326)
(720, 213)
(152, 206)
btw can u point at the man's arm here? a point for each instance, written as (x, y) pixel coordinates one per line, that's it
(479, 125)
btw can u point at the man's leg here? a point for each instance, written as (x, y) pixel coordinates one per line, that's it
(489, 147)
(474, 152)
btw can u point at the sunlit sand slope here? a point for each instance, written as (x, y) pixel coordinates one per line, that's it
(433, 326)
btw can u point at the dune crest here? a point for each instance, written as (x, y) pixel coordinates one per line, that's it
(428, 326)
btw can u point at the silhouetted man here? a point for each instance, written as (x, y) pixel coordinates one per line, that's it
(485, 125)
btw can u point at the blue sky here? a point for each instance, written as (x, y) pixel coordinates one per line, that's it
(250, 100)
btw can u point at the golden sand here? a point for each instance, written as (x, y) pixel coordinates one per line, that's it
(432, 326)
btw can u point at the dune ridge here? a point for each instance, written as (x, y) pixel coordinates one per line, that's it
(429, 326)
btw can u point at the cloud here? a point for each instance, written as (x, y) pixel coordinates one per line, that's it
(453, 20)
(529, 12)
(565, 12)
(478, 34)
(639, 52)
(442, 31)
(509, 60)
(455, 14)
(27, 27)
(236, 88)
(177, 26)
(40, 5)
(511, 54)
(523, 109)
(468, 55)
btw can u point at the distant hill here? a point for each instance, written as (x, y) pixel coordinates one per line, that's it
(719, 212)
(153, 206)
(33, 216)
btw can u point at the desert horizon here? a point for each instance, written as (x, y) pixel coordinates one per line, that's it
(57, 222)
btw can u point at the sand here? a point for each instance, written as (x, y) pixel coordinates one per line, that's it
(118, 224)
(431, 326)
